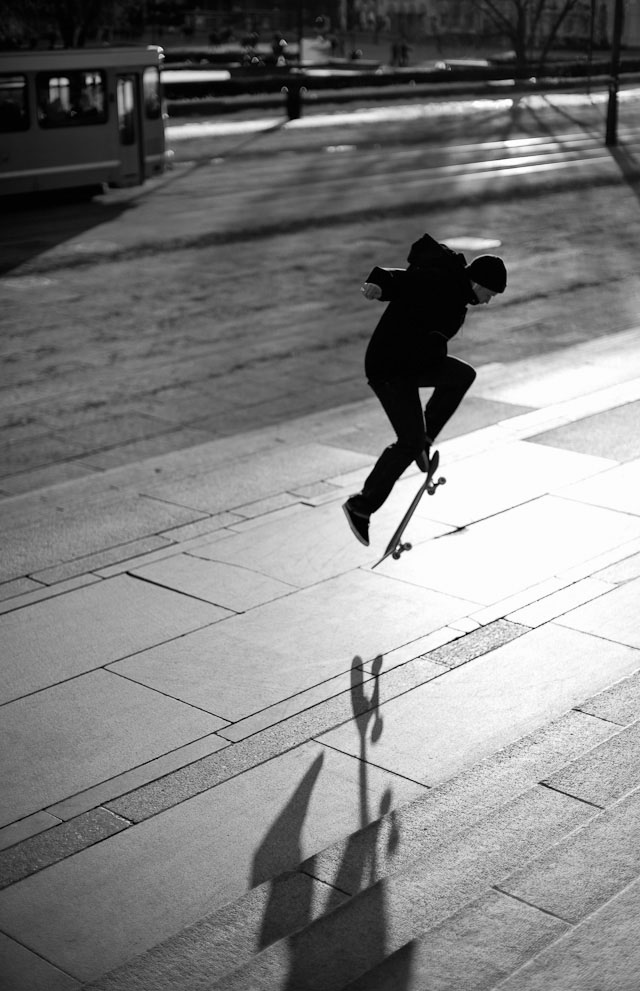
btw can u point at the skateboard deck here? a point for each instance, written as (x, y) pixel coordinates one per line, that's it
(396, 547)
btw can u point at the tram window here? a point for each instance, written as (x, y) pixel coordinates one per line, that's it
(69, 99)
(14, 115)
(126, 110)
(151, 88)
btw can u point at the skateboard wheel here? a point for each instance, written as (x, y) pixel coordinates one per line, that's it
(406, 547)
(442, 481)
(396, 555)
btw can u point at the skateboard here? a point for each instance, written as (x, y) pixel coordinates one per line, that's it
(396, 547)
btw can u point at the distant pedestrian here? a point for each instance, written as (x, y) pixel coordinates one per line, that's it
(404, 50)
(408, 350)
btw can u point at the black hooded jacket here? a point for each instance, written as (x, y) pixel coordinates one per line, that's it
(427, 306)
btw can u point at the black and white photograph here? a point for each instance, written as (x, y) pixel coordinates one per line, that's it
(320, 495)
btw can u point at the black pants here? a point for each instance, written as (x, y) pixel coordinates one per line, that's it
(400, 399)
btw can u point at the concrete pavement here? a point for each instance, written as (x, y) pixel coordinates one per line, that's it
(235, 756)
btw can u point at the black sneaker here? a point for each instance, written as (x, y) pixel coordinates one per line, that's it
(424, 458)
(358, 523)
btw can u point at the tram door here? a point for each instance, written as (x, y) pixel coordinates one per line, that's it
(129, 129)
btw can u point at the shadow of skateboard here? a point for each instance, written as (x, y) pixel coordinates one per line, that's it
(396, 547)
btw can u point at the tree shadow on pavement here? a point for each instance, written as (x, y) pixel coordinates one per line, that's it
(40, 222)
(35, 223)
(353, 942)
(629, 166)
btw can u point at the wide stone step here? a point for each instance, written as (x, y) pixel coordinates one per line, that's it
(361, 933)
(374, 894)
(550, 924)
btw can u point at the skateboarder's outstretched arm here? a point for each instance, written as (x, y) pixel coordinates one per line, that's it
(370, 290)
(388, 284)
(384, 283)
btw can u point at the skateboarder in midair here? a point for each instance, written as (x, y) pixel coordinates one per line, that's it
(408, 349)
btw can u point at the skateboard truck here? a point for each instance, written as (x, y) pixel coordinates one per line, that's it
(396, 547)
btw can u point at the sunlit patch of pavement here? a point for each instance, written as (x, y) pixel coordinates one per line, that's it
(399, 113)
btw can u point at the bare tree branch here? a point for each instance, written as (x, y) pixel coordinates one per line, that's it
(520, 21)
(500, 19)
(551, 37)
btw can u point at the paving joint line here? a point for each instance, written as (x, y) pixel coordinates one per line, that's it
(370, 763)
(603, 719)
(538, 908)
(221, 756)
(577, 798)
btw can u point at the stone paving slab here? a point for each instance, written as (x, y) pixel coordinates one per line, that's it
(317, 545)
(414, 657)
(30, 452)
(137, 450)
(614, 489)
(526, 426)
(620, 703)
(230, 586)
(261, 475)
(223, 940)
(212, 848)
(66, 636)
(201, 528)
(59, 533)
(291, 508)
(614, 615)
(478, 642)
(525, 545)
(601, 954)
(622, 571)
(596, 565)
(587, 868)
(19, 586)
(61, 841)
(23, 970)
(547, 379)
(262, 507)
(94, 436)
(40, 478)
(371, 432)
(180, 546)
(284, 647)
(605, 774)
(320, 695)
(443, 726)
(560, 602)
(138, 777)
(615, 434)
(82, 565)
(176, 465)
(520, 600)
(64, 739)
(43, 592)
(504, 477)
(475, 948)
(31, 825)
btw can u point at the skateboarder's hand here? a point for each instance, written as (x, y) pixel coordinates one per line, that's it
(371, 291)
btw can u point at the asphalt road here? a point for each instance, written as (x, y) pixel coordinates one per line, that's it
(224, 295)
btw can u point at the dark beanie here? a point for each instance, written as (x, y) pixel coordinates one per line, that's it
(488, 271)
